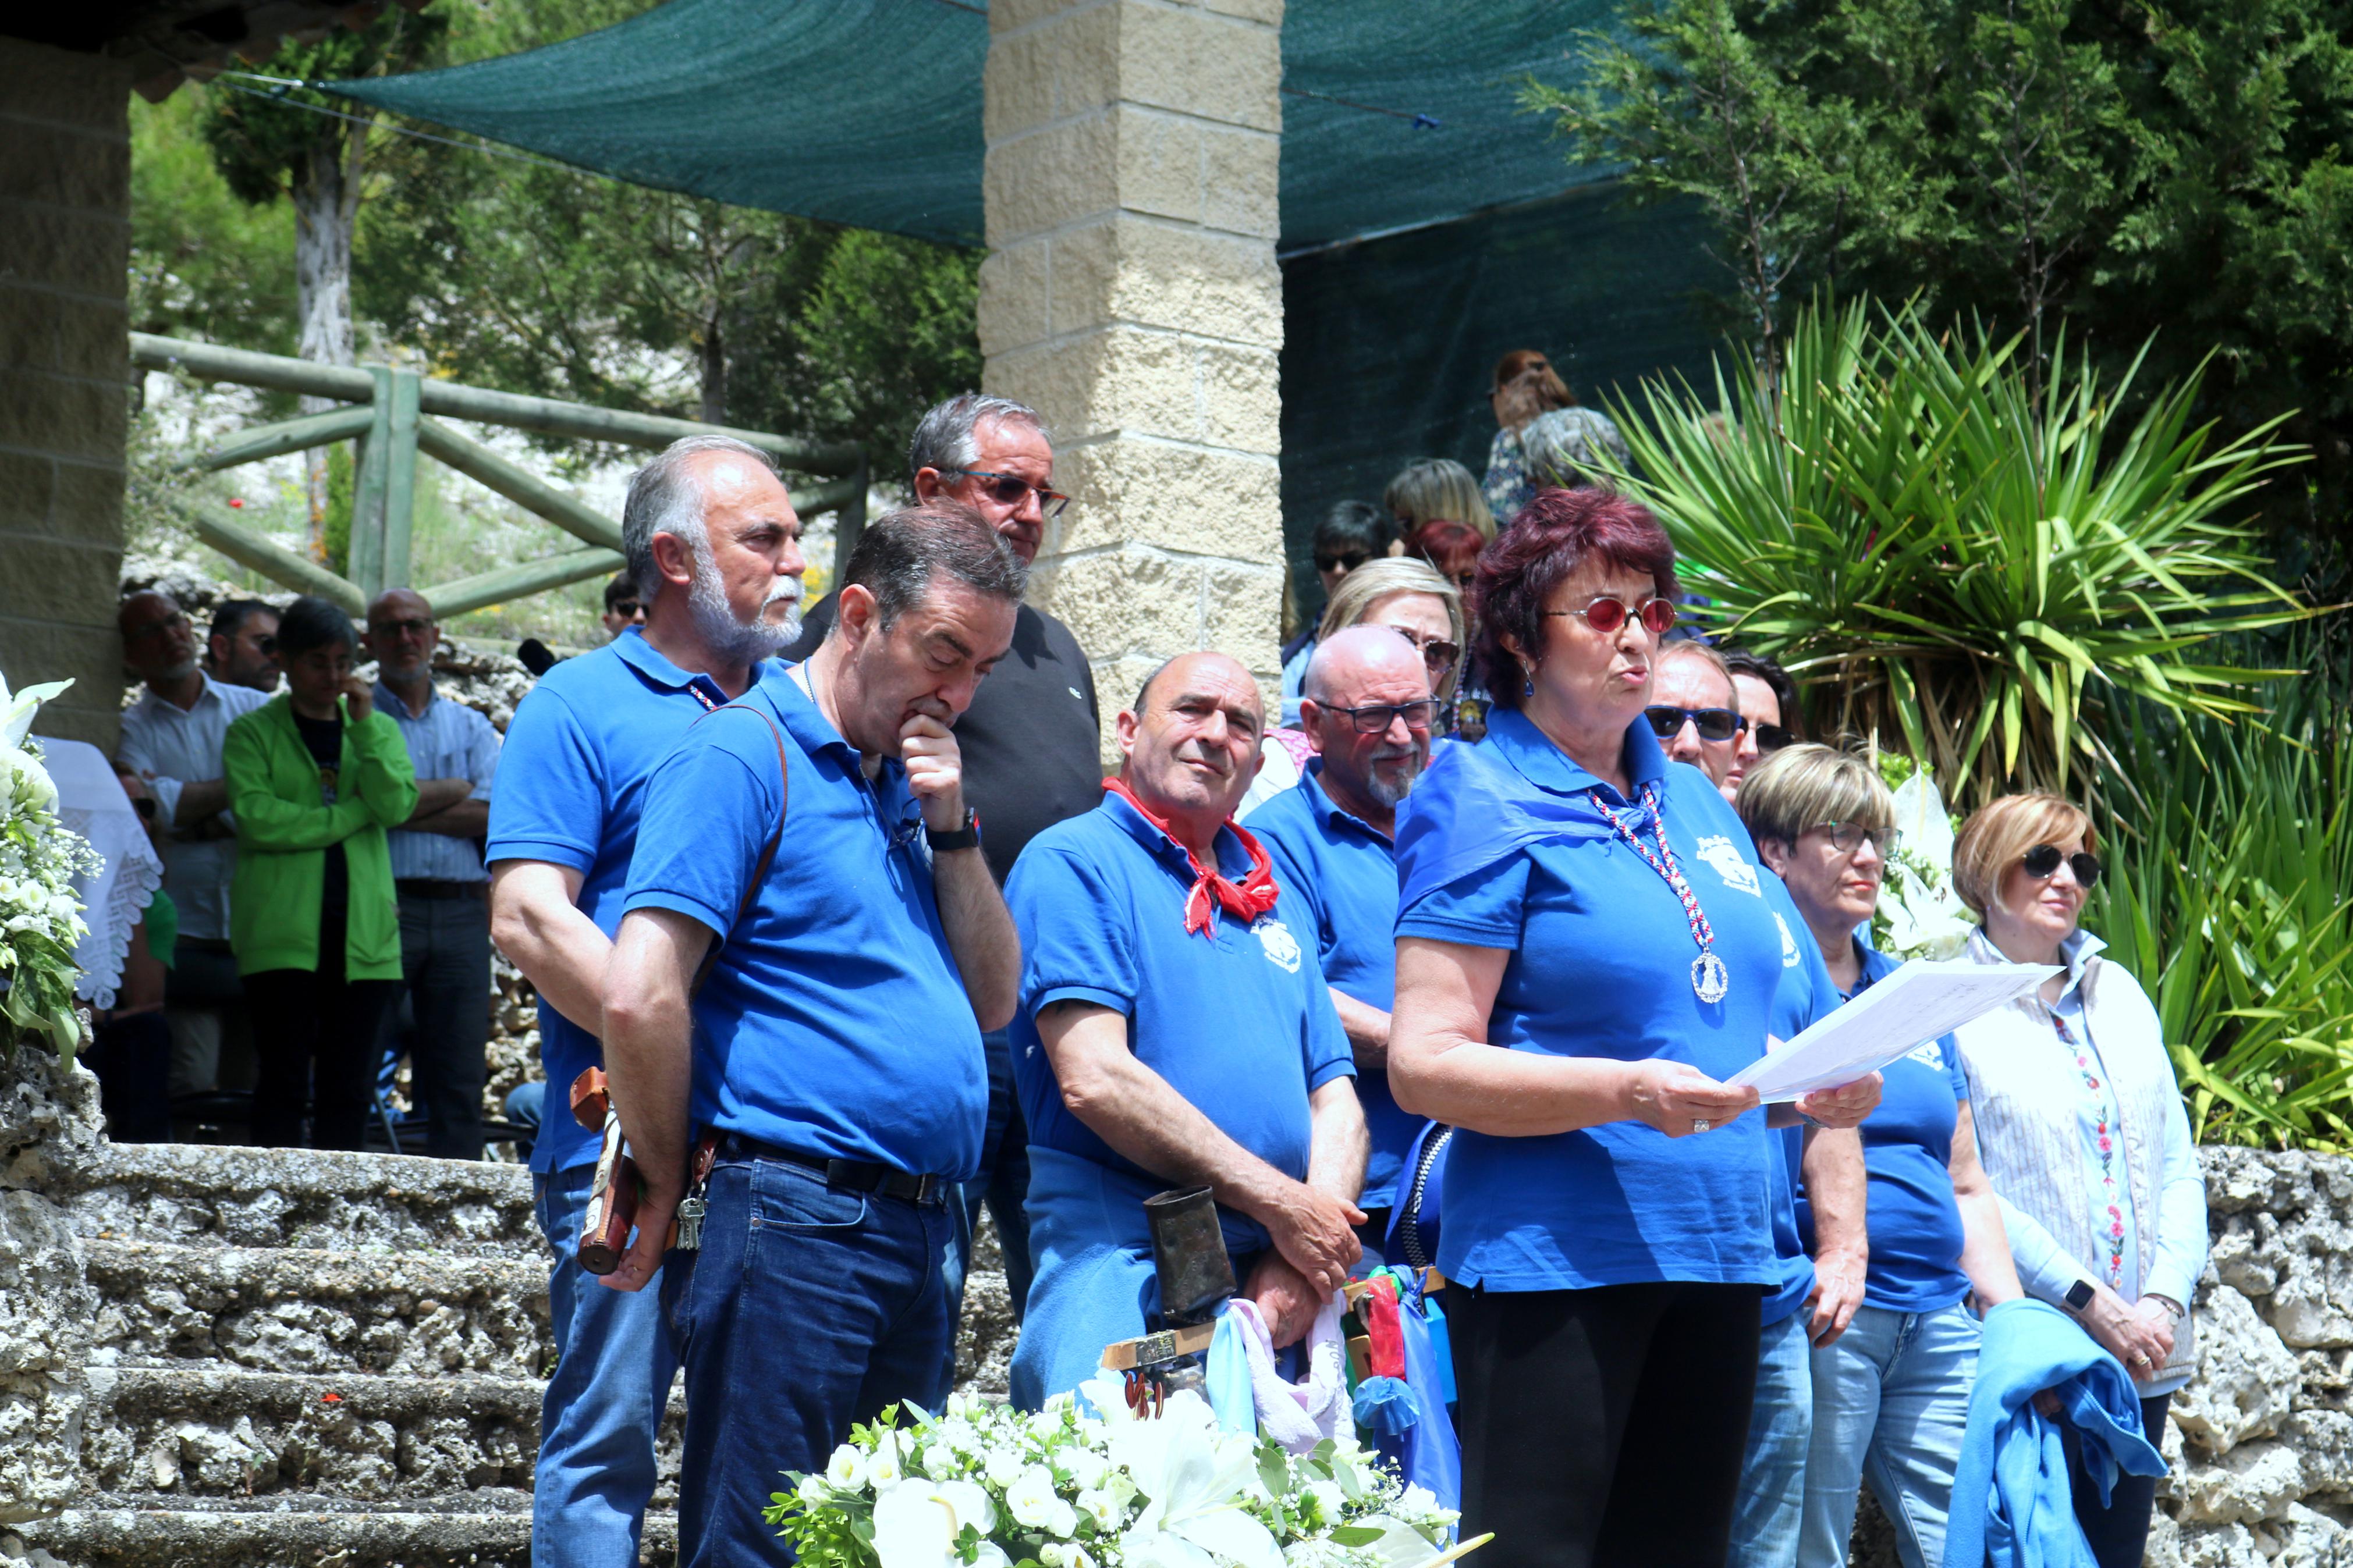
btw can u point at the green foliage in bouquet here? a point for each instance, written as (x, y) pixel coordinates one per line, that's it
(992, 1487)
(40, 913)
(1939, 553)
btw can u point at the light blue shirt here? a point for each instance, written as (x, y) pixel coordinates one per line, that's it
(169, 747)
(448, 741)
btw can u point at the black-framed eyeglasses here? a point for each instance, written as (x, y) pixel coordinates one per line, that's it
(1437, 654)
(1012, 490)
(1845, 836)
(145, 806)
(628, 609)
(1375, 718)
(1606, 615)
(1712, 723)
(1343, 561)
(1773, 737)
(2042, 862)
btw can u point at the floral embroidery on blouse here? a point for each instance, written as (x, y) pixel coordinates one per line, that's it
(2109, 1226)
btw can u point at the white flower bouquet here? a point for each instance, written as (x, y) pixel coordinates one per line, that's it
(40, 912)
(989, 1486)
(1919, 914)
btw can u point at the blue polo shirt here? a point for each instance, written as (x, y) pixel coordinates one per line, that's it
(1500, 846)
(1909, 1211)
(1237, 1020)
(1342, 871)
(572, 777)
(835, 1023)
(1807, 994)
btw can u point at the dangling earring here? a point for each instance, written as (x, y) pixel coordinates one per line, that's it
(1528, 686)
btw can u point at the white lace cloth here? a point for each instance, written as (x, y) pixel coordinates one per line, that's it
(91, 801)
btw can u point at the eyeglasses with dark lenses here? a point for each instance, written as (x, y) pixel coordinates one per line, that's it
(145, 806)
(1773, 737)
(1712, 723)
(1345, 561)
(266, 647)
(1606, 615)
(2042, 861)
(1437, 653)
(1012, 490)
(1375, 718)
(628, 609)
(1845, 837)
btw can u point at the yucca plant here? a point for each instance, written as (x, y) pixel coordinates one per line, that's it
(2230, 894)
(1938, 555)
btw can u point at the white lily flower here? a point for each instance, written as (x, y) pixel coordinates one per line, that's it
(916, 1522)
(846, 1472)
(883, 1469)
(1196, 1486)
(1400, 1546)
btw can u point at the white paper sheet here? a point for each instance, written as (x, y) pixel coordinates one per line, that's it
(1922, 1000)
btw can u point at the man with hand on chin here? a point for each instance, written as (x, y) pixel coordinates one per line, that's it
(811, 845)
(1175, 1031)
(714, 546)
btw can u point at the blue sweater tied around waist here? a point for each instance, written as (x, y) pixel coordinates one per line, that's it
(2012, 1501)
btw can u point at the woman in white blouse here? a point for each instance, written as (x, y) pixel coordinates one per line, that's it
(2080, 1125)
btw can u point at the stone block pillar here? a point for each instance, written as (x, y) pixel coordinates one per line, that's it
(65, 369)
(1131, 296)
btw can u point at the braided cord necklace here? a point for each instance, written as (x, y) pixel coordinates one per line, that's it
(1710, 977)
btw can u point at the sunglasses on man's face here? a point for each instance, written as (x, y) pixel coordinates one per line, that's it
(1348, 560)
(2042, 862)
(627, 609)
(1438, 655)
(1712, 723)
(1606, 615)
(1012, 490)
(1773, 737)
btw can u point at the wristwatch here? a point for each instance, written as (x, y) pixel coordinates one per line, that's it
(964, 838)
(2079, 1295)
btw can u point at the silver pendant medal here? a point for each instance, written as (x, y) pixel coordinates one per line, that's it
(1710, 979)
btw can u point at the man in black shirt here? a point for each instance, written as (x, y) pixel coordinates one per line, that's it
(1030, 739)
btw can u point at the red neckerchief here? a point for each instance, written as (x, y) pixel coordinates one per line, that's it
(1253, 895)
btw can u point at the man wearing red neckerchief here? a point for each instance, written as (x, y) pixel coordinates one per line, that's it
(1174, 1031)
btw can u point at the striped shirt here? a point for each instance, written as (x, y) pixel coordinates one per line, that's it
(446, 741)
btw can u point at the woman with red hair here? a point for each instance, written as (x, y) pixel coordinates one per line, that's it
(1586, 951)
(1452, 550)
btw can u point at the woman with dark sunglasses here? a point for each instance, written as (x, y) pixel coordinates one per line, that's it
(2081, 1126)
(1585, 952)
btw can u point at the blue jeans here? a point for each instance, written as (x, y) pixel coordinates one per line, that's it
(1766, 1518)
(808, 1308)
(1004, 1185)
(1891, 1402)
(615, 1363)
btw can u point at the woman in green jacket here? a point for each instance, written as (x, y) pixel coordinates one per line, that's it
(315, 777)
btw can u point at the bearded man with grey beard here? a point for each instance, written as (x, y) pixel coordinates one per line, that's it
(1367, 709)
(714, 548)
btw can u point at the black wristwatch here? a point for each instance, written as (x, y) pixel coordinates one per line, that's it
(964, 838)
(2079, 1295)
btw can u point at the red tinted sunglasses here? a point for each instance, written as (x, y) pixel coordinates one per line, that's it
(1606, 615)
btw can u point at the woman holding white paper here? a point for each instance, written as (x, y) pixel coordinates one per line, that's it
(1586, 951)
(1891, 1393)
(2082, 1128)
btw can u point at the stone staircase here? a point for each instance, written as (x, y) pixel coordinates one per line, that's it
(308, 1359)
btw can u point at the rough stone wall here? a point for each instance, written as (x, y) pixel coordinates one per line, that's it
(48, 1121)
(1131, 295)
(65, 256)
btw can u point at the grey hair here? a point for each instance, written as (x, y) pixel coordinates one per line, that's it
(1561, 447)
(665, 497)
(901, 551)
(944, 437)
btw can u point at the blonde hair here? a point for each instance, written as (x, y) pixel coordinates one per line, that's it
(1369, 585)
(1804, 786)
(1436, 489)
(1999, 836)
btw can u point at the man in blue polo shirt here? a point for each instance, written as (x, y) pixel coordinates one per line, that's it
(817, 835)
(1175, 1031)
(714, 544)
(1367, 709)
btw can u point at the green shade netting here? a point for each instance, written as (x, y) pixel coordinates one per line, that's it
(867, 112)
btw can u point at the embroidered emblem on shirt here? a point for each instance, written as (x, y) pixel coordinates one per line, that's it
(1281, 947)
(1718, 852)
(1790, 958)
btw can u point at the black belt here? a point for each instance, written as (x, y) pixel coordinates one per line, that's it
(854, 1175)
(434, 888)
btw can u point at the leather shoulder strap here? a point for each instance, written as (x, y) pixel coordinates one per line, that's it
(767, 850)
